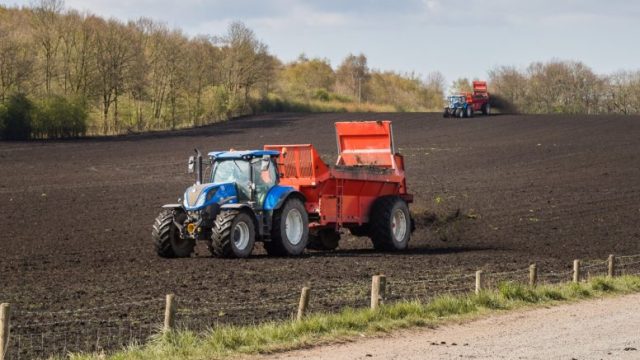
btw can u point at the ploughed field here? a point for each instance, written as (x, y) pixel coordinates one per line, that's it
(493, 193)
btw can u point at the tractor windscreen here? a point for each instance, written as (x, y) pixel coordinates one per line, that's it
(456, 99)
(230, 171)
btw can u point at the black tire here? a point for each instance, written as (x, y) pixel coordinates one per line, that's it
(280, 243)
(360, 230)
(325, 239)
(166, 236)
(382, 232)
(486, 109)
(228, 229)
(446, 113)
(470, 111)
(460, 113)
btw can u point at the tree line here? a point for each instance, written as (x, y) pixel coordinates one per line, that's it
(64, 73)
(569, 87)
(67, 73)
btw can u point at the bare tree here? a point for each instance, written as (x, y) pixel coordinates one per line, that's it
(114, 55)
(16, 56)
(245, 63)
(352, 76)
(45, 23)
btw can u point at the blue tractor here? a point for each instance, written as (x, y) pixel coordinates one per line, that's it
(458, 106)
(237, 201)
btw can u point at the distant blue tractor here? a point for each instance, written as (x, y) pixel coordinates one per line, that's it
(238, 201)
(458, 106)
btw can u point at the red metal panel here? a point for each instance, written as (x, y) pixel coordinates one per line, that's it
(367, 169)
(365, 143)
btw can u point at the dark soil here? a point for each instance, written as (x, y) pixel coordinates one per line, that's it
(495, 193)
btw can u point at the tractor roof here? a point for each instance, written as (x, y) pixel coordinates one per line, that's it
(244, 154)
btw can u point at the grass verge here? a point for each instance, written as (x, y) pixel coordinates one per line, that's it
(227, 341)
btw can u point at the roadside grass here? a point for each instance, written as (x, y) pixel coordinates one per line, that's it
(228, 341)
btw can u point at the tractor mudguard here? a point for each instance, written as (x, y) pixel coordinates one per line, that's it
(277, 195)
(172, 206)
(236, 207)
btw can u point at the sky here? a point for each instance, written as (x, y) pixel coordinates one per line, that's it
(459, 38)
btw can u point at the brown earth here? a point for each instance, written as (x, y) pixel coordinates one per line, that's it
(495, 193)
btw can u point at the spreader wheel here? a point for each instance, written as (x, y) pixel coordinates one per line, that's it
(486, 109)
(326, 239)
(390, 223)
(166, 235)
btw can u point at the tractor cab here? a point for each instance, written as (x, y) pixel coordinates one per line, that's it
(253, 173)
(456, 101)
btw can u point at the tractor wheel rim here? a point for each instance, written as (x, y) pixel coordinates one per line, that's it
(293, 226)
(399, 225)
(241, 235)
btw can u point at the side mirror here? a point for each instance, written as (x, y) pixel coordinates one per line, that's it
(266, 161)
(192, 164)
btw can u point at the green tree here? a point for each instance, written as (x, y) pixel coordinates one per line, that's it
(17, 124)
(306, 78)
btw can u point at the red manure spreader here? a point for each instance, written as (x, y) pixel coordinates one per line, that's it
(365, 192)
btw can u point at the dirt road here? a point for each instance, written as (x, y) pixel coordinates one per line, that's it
(597, 329)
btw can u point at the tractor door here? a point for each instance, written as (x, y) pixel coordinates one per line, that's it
(263, 180)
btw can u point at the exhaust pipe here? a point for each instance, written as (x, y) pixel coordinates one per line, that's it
(198, 167)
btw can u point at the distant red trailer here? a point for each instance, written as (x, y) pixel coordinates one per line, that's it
(480, 98)
(365, 191)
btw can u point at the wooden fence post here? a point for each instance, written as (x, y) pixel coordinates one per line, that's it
(479, 281)
(378, 285)
(4, 330)
(576, 271)
(169, 313)
(304, 302)
(611, 268)
(533, 275)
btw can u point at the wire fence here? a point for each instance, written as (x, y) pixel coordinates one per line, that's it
(97, 329)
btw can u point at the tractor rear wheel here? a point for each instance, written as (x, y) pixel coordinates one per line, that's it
(233, 234)
(290, 230)
(166, 235)
(390, 223)
(460, 113)
(446, 113)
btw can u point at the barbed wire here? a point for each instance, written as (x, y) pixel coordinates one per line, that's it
(93, 309)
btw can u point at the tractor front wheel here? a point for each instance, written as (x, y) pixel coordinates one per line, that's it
(469, 111)
(233, 235)
(460, 113)
(166, 235)
(290, 230)
(390, 223)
